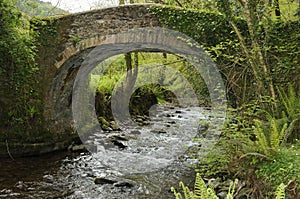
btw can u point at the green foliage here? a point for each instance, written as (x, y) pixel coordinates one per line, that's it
(283, 38)
(269, 136)
(201, 191)
(196, 4)
(290, 101)
(271, 132)
(274, 40)
(236, 140)
(282, 168)
(289, 9)
(117, 71)
(252, 136)
(252, 148)
(206, 27)
(280, 192)
(47, 30)
(75, 40)
(39, 8)
(214, 33)
(20, 101)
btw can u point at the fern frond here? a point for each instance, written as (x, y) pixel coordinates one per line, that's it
(231, 189)
(274, 133)
(280, 192)
(277, 133)
(262, 140)
(211, 194)
(289, 131)
(201, 191)
(290, 101)
(186, 191)
(177, 195)
(200, 188)
(282, 133)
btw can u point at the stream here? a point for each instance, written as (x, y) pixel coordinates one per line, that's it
(140, 161)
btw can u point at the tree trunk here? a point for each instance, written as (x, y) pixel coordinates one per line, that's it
(128, 61)
(277, 8)
(124, 92)
(255, 54)
(131, 74)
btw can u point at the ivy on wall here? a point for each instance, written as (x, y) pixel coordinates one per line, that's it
(206, 27)
(18, 99)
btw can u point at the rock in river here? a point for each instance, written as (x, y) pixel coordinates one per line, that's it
(103, 181)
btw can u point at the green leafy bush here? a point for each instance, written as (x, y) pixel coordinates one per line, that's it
(282, 168)
(17, 68)
(252, 148)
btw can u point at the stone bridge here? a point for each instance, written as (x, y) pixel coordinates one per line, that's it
(65, 42)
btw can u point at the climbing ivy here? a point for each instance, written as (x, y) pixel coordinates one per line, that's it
(18, 99)
(208, 28)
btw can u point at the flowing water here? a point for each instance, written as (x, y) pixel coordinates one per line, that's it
(141, 161)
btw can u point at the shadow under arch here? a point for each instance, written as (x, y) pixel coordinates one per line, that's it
(144, 39)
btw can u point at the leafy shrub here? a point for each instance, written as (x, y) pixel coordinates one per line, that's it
(19, 100)
(282, 168)
(252, 147)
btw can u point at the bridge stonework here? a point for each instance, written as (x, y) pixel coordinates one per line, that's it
(64, 48)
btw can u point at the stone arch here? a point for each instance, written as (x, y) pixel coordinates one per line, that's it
(70, 58)
(76, 35)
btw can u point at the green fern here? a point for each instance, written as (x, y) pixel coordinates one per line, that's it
(176, 194)
(200, 188)
(276, 132)
(291, 102)
(289, 130)
(280, 192)
(262, 141)
(211, 194)
(201, 191)
(231, 189)
(187, 193)
(270, 135)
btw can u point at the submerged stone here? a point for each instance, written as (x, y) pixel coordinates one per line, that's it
(103, 181)
(125, 184)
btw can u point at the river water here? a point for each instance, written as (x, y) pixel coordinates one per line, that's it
(141, 161)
